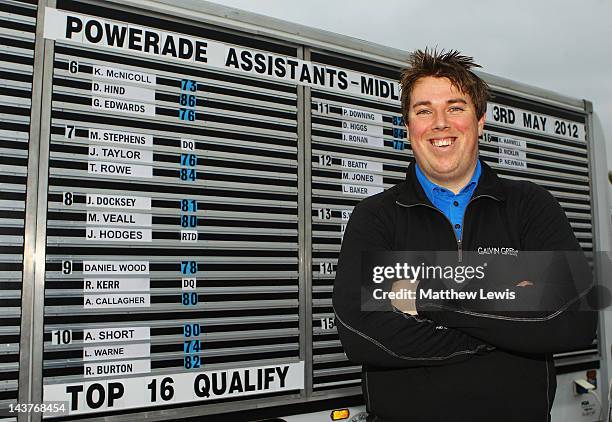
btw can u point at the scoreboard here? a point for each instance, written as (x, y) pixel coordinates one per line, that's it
(198, 182)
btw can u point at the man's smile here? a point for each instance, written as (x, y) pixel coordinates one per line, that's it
(443, 142)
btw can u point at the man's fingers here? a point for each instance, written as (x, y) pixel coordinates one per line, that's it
(405, 305)
(524, 283)
(405, 284)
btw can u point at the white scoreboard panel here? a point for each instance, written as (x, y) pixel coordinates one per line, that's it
(200, 180)
(17, 33)
(546, 145)
(172, 226)
(358, 149)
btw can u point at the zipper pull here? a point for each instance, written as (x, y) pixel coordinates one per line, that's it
(460, 250)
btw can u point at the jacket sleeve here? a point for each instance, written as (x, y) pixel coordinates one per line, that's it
(562, 320)
(386, 338)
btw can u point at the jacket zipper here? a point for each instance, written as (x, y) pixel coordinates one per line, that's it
(459, 240)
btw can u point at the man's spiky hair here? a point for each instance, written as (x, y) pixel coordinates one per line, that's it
(444, 64)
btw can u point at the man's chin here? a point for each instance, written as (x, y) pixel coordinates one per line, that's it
(448, 171)
(445, 174)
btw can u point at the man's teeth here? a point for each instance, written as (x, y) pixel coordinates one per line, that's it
(442, 142)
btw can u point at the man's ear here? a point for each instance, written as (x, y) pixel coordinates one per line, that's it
(481, 123)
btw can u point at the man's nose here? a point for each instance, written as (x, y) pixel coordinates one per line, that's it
(440, 121)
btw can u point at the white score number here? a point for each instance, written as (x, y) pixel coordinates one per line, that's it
(61, 337)
(326, 268)
(68, 199)
(325, 160)
(73, 66)
(166, 391)
(325, 214)
(66, 267)
(328, 323)
(323, 108)
(69, 132)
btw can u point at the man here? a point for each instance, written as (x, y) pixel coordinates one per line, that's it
(428, 360)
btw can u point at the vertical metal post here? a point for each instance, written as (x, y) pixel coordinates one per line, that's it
(33, 286)
(305, 207)
(26, 353)
(602, 244)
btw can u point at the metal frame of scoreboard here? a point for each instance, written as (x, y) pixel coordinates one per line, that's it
(337, 140)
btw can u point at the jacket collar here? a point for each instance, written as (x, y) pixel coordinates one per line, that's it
(412, 192)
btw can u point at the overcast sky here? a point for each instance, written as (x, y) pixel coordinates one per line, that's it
(561, 45)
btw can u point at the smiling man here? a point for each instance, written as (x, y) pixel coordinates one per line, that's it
(439, 360)
(444, 129)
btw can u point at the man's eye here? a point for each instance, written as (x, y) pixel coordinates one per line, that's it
(456, 109)
(422, 112)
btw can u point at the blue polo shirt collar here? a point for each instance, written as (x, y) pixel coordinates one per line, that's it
(432, 189)
(451, 205)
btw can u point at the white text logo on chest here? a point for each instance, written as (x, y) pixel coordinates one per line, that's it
(497, 251)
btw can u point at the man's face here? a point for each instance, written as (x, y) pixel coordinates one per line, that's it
(443, 129)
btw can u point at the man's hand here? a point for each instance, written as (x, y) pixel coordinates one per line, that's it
(405, 305)
(524, 283)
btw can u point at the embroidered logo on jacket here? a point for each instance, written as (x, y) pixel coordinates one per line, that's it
(497, 251)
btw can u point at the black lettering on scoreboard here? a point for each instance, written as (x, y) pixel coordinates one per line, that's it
(172, 233)
(547, 145)
(17, 33)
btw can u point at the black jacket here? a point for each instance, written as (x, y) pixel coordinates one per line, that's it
(457, 364)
